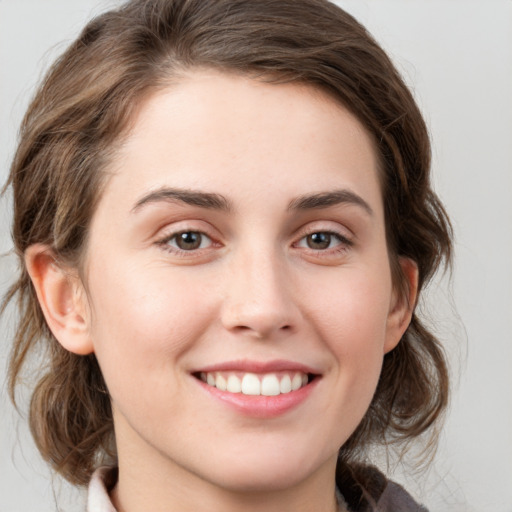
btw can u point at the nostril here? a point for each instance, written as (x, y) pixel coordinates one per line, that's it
(262, 331)
(243, 328)
(261, 320)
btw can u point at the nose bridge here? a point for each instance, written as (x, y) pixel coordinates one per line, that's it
(258, 298)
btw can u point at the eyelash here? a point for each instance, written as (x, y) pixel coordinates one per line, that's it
(164, 243)
(343, 244)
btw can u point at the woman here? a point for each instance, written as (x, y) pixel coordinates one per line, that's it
(224, 219)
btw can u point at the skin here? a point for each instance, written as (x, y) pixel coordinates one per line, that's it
(254, 290)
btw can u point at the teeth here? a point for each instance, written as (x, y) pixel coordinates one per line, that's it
(285, 386)
(296, 382)
(251, 384)
(220, 382)
(234, 384)
(269, 384)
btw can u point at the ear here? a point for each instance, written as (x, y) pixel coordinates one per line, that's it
(62, 299)
(402, 306)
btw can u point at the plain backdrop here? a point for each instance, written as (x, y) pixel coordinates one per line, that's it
(457, 57)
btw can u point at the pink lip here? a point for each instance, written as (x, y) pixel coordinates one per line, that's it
(245, 366)
(260, 406)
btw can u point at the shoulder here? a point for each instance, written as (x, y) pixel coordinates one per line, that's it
(366, 489)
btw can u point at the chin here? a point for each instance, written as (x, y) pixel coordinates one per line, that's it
(265, 474)
(268, 480)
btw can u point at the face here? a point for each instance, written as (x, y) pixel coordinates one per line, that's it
(238, 282)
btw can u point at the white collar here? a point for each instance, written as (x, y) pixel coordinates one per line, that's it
(98, 499)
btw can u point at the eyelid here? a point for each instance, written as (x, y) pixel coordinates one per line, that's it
(195, 225)
(329, 255)
(343, 240)
(331, 227)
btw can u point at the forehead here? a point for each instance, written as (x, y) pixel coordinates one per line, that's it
(217, 130)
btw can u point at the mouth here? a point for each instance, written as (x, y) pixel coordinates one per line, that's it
(258, 390)
(269, 384)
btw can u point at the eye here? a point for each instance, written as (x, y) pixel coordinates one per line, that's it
(187, 241)
(319, 240)
(322, 240)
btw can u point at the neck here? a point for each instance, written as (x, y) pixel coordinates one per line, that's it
(128, 498)
(163, 487)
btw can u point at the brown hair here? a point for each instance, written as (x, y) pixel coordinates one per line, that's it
(81, 111)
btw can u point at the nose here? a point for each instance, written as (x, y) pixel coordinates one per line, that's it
(259, 299)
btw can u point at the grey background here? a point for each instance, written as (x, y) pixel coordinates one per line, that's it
(457, 57)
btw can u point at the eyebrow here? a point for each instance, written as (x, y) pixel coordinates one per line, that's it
(215, 201)
(331, 198)
(192, 197)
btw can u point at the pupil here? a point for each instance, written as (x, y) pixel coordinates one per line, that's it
(319, 240)
(188, 240)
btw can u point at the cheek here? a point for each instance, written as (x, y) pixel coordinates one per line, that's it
(142, 322)
(350, 317)
(353, 324)
(354, 309)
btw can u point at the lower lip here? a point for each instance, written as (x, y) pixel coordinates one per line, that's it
(259, 406)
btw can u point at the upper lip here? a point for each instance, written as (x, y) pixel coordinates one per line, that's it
(247, 366)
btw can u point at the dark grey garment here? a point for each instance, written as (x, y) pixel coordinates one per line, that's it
(366, 489)
(396, 499)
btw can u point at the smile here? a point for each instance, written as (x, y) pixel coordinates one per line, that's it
(267, 384)
(261, 390)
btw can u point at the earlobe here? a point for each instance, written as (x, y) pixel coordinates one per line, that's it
(61, 299)
(402, 306)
